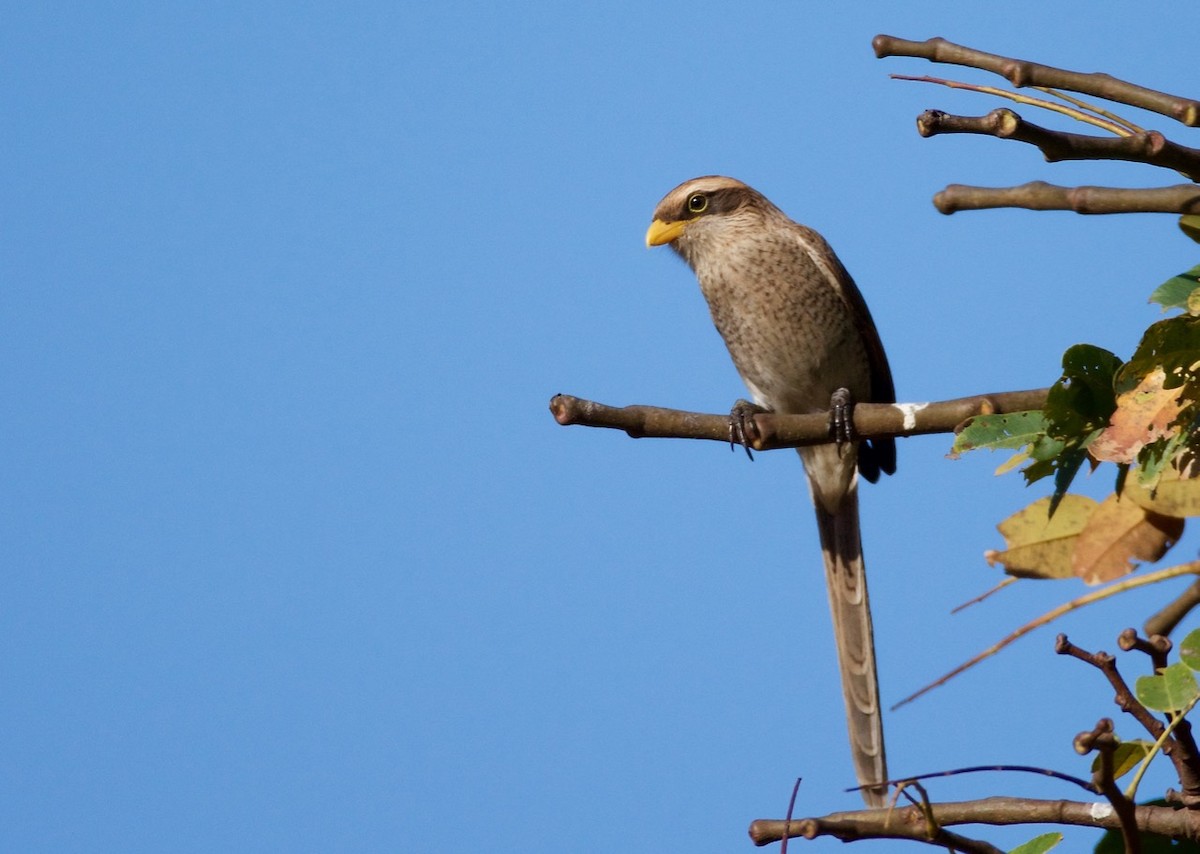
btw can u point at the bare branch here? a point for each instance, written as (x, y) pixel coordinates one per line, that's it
(1149, 147)
(871, 420)
(1125, 700)
(1040, 196)
(1075, 111)
(1101, 738)
(1021, 73)
(1179, 745)
(911, 822)
(849, 828)
(1155, 646)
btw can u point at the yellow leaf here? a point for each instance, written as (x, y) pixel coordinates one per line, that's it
(1117, 534)
(1173, 496)
(1143, 415)
(1190, 224)
(1012, 462)
(1128, 756)
(1040, 546)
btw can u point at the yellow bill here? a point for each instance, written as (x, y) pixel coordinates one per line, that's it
(661, 232)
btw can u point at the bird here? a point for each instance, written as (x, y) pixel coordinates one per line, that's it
(802, 339)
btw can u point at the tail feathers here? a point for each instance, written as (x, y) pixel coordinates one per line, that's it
(847, 582)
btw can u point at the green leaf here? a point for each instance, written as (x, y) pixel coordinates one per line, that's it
(997, 432)
(1083, 399)
(1172, 344)
(1156, 458)
(1077, 409)
(1169, 691)
(1125, 758)
(1065, 470)
(1189, 649)
(1039, 844)
(1122, 476)
(1189, 224)
(1174, 292)
(1044, 453)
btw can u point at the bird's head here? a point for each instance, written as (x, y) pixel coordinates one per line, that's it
(703, 207)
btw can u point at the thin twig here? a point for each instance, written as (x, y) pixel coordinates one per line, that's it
(1021, 73)
(1113, 589)
(1092, 108)
(975, 769)
(1010, 579)
(1131, 789)
(1071, 112)
(791, 806)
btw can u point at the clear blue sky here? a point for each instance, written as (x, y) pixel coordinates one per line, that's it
(294, 556)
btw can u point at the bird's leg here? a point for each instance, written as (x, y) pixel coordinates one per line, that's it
(742, 429)
(841, 417)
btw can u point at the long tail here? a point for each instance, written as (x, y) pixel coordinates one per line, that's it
(847, 580)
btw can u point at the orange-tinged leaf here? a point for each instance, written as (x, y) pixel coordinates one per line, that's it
(1118, 534)
(1173, 496)
(1041, 546)
(1143, 415)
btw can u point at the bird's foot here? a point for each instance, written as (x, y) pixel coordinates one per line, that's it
(841, 417)
(742, 428)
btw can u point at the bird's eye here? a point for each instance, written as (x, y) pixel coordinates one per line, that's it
(697, 202)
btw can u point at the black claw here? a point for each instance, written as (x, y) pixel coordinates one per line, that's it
(742, 429)
(737, 434)
(841, 417)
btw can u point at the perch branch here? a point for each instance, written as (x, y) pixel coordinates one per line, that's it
(871, 420)
(1149, 147)
(1040, 196)
(1021, 73)
(911, 822)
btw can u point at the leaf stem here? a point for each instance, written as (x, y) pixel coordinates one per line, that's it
(1131, 789)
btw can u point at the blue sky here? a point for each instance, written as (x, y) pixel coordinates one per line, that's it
(295, 557)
